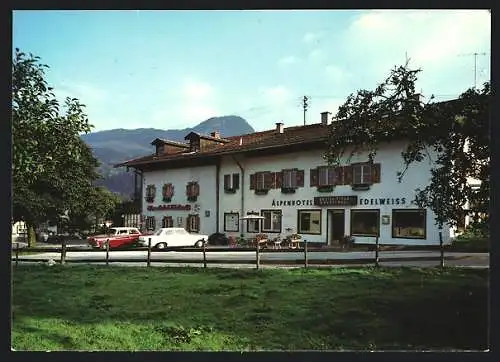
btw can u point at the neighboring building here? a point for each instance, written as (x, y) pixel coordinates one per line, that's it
(209, 183)
(19, 231)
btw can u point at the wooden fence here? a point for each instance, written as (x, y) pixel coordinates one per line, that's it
(305, 250)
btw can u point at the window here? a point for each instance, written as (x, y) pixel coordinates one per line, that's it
(150, 223)
(192, 191)
(289, 178)
(253, 226)
(326, 176)
(122, 232)
(365, 222)
(150, 193)
(272, 221)
(194, 145)
(409, 224)
(309, 222)
(260, 180)
(167, 222)
(362, 174)
(231, 221)
(193, 223)
(231, 184)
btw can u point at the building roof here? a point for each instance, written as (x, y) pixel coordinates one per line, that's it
(271, 139)
(168, 142)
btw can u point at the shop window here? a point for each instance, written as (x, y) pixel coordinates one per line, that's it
(150, 223)
(309, 222)
(272, 221)
(253, 226)
(231, 221)
(365, 222)
(409, 224)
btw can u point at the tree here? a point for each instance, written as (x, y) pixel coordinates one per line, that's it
(53, 169)
(454, 135)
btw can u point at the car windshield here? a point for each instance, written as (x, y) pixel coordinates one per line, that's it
(158, 232)
(112, 231)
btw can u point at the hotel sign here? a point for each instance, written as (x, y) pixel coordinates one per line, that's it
(336, 200)
(170, 207)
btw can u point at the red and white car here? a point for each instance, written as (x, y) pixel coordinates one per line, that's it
(117, 236)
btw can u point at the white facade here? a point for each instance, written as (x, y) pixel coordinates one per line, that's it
(385, 197)
(398, 195)
(204, 206)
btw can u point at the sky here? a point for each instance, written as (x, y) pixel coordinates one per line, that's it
(175, 69)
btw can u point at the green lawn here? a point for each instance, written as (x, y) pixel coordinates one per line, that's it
(127, 308)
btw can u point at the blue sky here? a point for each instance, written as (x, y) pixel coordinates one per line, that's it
(174, 69)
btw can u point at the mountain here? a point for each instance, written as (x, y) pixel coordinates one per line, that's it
(117, 145)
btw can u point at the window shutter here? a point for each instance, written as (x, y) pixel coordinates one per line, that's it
(300, 178)
(188, 189)
(348, 175)
(197, 222)
(196, 189)
(313, 175)
(268, 180)
(278, 176)
(236, 180)
(376, 173)
(252, 182)
(339, 176)
(227, 179)
(188, 223)
(331, 176)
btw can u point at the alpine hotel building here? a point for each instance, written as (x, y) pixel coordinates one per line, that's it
(209, 182)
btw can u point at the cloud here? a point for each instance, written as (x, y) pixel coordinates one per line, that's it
(85, 92)
(312, 37)
(433, 39)
(291, 59)
(336, 73)
(196, 90)
(317, 55)
(277, 95)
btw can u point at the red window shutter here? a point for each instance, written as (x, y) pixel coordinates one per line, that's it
(188, 223)
(236, 181)
(196, 189)
(376, 173)
(278, 176)
(313, 175)
(300, 178)
(188, 189)
(227, 181)
(197, 222)
(348, 175)
(268, 180)
(339, 176)
(331, 176)
(252, 182)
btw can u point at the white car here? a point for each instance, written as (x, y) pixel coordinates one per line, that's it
(165, 237)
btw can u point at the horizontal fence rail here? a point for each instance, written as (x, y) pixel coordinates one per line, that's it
(305, 255)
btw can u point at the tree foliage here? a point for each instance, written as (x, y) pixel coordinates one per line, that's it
(454, 135)
(53, 168)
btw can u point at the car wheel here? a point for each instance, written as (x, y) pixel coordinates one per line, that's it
(198, 244)
(161, 246)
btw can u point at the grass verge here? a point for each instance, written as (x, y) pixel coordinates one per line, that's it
(128, 308)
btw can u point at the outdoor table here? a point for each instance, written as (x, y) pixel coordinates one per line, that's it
(295, 243)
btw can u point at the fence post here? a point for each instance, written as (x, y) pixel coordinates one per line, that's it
(305, 253)
(257, 256)
(204, 255)
(376, 252)
(107, 251)
(17, 253)
(441, 247)
(63, 251)
(149, 252)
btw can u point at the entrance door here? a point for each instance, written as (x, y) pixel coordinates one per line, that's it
(337, 223)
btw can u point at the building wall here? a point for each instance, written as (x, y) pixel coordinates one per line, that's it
(206, 202)
(388, 156)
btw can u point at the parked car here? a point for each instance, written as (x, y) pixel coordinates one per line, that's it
(53, 238)
(117, 236)
(173, 237)
(218, 239)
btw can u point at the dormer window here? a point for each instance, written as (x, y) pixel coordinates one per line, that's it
(160, 149)
(194, 145)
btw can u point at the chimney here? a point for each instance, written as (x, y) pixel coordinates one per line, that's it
(241, 141)
(324, 118)
(279, 127)
(215, 134)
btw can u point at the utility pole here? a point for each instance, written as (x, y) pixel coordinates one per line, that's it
(475, 64)
(304, 106)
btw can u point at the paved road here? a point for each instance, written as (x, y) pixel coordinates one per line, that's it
(247, 258)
